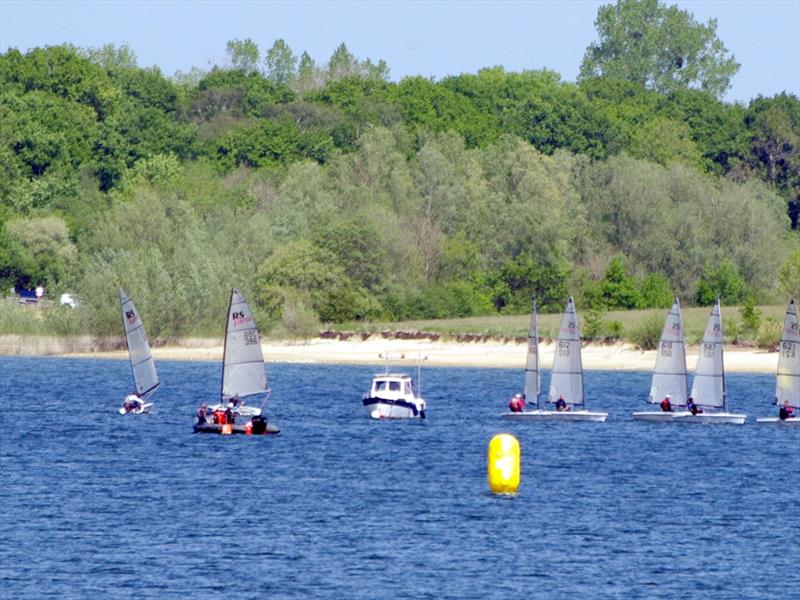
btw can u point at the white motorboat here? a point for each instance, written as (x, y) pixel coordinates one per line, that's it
(566, 380)
(393, 396)
(143, 367)
(787, 384)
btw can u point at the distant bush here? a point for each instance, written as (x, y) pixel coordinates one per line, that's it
(723, 282)
(769, 336)
(751, 317)
(647, 335)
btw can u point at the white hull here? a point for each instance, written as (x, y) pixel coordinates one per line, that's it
(793, 421)
(554, 415)
(381, 410)
(136, 411)
(658, 416)
(712, 418)
(687, 417)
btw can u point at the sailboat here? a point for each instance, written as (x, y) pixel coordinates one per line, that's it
(566, 380)
(708, 386)
(145, 377)
(787, 385)
(243, 376)
(670, 378)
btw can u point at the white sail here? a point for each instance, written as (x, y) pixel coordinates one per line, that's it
(567, 374)
(243, 364)
(532, 362)
(669, 375)
(708, 386)
(787, 388)
(142, 364)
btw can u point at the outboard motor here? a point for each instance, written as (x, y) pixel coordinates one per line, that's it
(259, 425)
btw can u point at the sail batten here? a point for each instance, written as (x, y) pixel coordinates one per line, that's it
(787, 385)
(243, 363)
(143, 366)
(532, 381)
(708, 386)
(567, 374)
(670, 375)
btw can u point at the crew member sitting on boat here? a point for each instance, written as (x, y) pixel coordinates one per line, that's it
(259, 425)
(517, 403)
(785, 412)
(131, 403)
(201, 414)
(229, 415)
(692, 407)
(666, 404)
(561, 404)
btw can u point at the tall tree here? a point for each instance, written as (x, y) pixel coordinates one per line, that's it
(243, 54)
(281, 63)
(660, 47)
(342, 64)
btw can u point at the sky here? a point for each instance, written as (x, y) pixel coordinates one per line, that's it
(432, 39)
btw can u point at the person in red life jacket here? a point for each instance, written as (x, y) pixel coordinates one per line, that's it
(201, 414)
(666, 405)
(229, 416)
(561, 404)
(516, 404)
(785, 412)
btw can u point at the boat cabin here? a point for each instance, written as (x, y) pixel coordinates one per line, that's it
(392, 386)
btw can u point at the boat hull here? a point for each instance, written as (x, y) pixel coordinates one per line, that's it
(793, 421)
(657, 416)
(145, 408)
(235, 429)
(687, 417)
(712, 418)
(554, 415)
(381, 408)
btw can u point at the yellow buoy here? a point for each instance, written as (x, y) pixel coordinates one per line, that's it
(504, 455)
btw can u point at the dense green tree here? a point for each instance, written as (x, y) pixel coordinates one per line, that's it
(112, 57)
(660, 47)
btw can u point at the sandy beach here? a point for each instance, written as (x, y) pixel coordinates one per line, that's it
(405, 352)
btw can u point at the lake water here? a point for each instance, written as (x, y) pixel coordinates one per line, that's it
(94, 504)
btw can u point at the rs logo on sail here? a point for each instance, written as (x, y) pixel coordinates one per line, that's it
(239, 318)
(131, 315)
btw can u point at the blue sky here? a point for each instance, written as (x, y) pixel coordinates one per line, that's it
(433, 39)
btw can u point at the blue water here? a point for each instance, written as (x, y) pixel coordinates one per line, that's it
(93, 504)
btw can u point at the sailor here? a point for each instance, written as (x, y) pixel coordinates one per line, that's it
(131, 403)
(517, 403)
(561, 404)
(785, 412)
(259, 425)
(692, 407)
(666, 404)
(201, 414)
(229, 416)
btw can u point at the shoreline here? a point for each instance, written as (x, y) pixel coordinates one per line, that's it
(486, 353)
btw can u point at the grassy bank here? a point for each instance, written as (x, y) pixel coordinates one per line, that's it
(630, 326)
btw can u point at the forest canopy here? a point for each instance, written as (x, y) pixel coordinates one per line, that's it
(328, 193)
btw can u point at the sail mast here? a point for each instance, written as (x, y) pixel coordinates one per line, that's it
(143, 368)
(532, 361)
(567, 373)
(722, 357)
(225, 348)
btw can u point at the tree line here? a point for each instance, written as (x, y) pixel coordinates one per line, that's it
(329, 193)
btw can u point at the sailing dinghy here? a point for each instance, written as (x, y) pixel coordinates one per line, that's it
(708, 386)
(566, 380)
(787, 385)
(670, 379)
(243, 376)
(145, 377)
